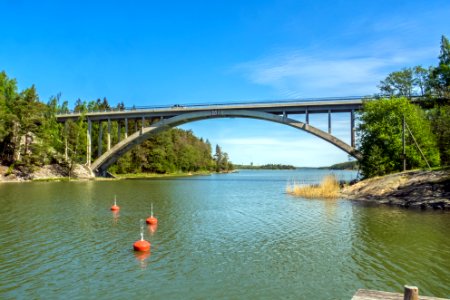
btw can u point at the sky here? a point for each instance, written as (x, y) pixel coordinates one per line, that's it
(148, 53)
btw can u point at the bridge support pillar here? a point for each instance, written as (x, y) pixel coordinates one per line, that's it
(100, 138)
(329, 121)
(66, 146)
(118, 131)
(126, 127)
(352, 128)
(306, 116)
(142, 124)
(89, 146)
(109, 135)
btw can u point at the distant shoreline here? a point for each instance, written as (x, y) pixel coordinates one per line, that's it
(265, 167)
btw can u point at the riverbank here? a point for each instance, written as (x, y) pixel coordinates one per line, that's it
(45, 173)
(56, 172)
(414, 189)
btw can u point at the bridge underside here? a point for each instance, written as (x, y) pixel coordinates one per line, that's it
(101, 164)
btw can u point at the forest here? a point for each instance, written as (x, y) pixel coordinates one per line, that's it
(30, 136)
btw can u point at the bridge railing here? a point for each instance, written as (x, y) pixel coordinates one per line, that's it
(199, 105)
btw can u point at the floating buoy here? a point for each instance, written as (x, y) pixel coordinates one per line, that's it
(151, 220)
(141, 245)
(115, 207)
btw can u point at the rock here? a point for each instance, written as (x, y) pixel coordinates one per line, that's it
(414, 189)
(54, 171)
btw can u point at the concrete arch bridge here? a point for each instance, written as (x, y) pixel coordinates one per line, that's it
(151, 120)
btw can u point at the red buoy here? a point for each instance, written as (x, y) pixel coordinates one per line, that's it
(151, 220)
(115, 207)
(141, 245)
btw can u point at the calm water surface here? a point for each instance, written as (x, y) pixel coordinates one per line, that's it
(234, 236)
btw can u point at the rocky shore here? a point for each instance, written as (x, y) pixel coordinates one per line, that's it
(413, 189)
(47, 172)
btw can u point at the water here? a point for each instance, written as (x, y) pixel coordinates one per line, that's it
(234, 236)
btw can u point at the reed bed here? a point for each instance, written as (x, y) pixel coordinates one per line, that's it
(328, 188)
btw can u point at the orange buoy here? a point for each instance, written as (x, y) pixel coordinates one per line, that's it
(141, 245)
(115, 207)
(151, 220)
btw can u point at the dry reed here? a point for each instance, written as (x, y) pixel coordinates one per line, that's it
(328, 188)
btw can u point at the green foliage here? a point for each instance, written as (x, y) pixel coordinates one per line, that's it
(170, 151)
(399, 83)
(266, 167)
(26, 125)
(440, 76)
(348, 165)
(406, 83)
(418, 81)
(380, 133)
(222, 161)
(440, 120)
(434, 84)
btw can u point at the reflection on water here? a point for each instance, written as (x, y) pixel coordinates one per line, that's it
(142, 259)
(115, 215)
(220, 236)
(411, 246)
(152, 228)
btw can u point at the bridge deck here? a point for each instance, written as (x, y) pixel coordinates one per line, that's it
(287, 107)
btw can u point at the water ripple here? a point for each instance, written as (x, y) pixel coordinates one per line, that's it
(216, 238)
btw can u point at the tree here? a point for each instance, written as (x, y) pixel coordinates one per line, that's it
(399, 83)
(380, 132)
(420, 80)
(440, 76)
(218, 157)
(440, 120)
(8, 94)
(406, 83)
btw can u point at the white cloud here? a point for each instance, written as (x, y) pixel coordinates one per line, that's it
(355, 71)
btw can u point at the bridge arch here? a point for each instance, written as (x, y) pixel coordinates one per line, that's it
(102, 163)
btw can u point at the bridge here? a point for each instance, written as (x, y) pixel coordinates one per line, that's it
(151, 120)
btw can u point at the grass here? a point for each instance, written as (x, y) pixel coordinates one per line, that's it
(328, 188)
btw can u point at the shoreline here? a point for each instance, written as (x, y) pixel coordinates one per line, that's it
(53, 173)
(411, 189)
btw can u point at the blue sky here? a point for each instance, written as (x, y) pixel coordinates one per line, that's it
(181, 52)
